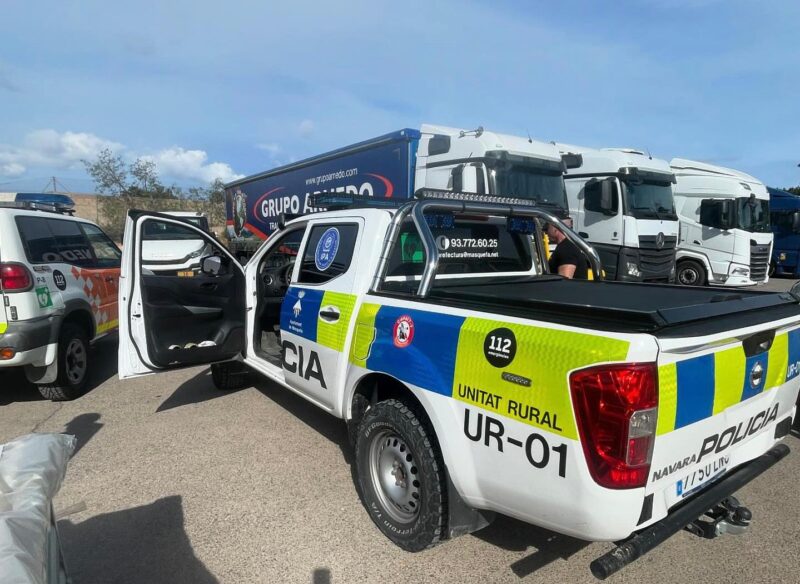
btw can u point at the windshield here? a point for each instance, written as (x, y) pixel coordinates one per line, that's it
(157, 230)
(651, 200)
(200, 222)
(752, 214)
(529, 182)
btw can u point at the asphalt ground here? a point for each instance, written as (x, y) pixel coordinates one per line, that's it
(175, 482)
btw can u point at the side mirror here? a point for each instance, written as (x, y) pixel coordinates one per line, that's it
(456, 178)
(796, 221)
(211, 265)
(607, 196)
(571, 160)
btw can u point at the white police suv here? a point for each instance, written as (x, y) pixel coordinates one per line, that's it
(59, 277)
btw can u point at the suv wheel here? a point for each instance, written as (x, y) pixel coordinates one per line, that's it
(401, 475)
(73, 365)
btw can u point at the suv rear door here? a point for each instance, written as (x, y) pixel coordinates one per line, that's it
(172, 318)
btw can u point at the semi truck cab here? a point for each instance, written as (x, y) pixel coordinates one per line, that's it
(621, 202)
(488, 163)
(725, 237)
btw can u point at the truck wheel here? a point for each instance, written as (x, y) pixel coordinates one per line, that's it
(691, 273)
(230, 375)
(73, 365)
(401, 475)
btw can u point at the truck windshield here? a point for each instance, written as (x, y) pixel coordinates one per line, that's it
(650, 200)
(529, 182)
(200, 222)
(752, 214)
(159, 231)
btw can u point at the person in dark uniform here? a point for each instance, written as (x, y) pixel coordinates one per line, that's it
(567, 260)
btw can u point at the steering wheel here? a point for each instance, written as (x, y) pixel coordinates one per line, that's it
(276, 280)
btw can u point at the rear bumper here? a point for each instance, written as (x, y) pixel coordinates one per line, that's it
(29, 340)
(681, 516)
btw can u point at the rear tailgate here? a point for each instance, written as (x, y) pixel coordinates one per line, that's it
(723, 398)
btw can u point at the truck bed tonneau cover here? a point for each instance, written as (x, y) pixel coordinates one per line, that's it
(663, 310)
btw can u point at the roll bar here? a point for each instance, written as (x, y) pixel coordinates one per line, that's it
(417, 210)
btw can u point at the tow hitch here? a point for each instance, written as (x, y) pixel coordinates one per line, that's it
(729, 516)
(709, 513)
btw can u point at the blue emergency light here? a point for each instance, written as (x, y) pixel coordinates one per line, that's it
(59, 203)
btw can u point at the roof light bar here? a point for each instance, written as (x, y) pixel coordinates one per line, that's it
(333, 201)
(472, 197)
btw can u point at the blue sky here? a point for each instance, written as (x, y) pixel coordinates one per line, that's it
(224, 89)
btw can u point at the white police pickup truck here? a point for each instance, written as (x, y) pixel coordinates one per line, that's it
(473, 382)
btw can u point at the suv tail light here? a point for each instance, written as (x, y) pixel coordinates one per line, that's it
(616, 407)
(15, 278)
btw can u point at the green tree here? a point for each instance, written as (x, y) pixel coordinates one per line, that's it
(109, 173)
(138, 186)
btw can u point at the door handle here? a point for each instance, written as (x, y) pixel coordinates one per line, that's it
(583, 234)
(209, 285)
(329, 314)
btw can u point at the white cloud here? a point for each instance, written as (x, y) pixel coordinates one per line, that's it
(191, 164)
(306, 128)
(11, 170)
(50, 149)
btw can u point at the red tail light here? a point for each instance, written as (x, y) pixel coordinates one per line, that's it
(15, 278)
(616, 409)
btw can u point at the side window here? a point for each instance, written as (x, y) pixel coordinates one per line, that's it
(593, 198)
(71, 243)
(37, 239)
(328, 253)
(107, 253)
(285, 252)
(55, 240)
(169, 248)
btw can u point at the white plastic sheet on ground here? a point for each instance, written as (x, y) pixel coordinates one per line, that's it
(31, 470)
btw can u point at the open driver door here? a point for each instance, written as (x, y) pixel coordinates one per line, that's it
(182, 297)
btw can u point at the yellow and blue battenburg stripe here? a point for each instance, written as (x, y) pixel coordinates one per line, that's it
(700, 387)
(446, 356)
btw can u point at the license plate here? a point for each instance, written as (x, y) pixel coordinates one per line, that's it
(701, 477)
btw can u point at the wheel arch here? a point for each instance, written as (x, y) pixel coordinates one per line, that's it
(682, 255)
(80, 312)
(374, 387)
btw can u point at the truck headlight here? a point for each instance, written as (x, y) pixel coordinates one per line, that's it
(632, 269)
(782, 257)
(740, 272)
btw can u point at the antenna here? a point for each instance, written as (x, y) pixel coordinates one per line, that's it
(650, 156)
(53, 185)
(528, 132)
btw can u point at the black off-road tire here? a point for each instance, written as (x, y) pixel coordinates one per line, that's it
(690, 273)
(230, 375)
(73, 349)
(392, 433)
